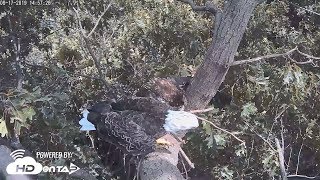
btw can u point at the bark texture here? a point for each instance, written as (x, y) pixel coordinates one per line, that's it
(229, 27)
(162, 165)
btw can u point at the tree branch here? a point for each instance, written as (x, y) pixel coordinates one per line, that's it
(99, 19)
(209, 6)
(88, 46)
(307, 55)
(202, 110)
(183, 154)
(260, 1)
(223, 130)
(286, 54)
(266, 141)
(310, 11)
(281, 159)
(302, 176)
(262, 58)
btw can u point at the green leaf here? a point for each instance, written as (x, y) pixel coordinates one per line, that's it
(248, 110)
(220, 140)
(241, 150)
(208, 131)
(24, 114)
(28, 113)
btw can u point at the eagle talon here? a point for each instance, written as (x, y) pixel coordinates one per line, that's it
(163, 142)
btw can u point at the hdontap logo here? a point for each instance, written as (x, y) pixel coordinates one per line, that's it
(27, 165)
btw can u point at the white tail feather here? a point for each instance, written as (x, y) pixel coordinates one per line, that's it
(179, 121)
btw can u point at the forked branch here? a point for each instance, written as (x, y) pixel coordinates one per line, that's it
(99, 19)
(311, 59)
(223, 130)
(215, 126)
(96, 60)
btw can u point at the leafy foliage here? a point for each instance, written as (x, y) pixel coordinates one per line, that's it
(139, 40)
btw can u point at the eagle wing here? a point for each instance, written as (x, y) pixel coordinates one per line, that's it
(120, 129)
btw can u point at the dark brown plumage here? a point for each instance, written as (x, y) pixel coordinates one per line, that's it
(129, 127)
(130, 124)
(127, 130)
(170, 90)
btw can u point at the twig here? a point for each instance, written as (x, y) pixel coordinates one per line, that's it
(286, 54)
(310, 61)
(184, 167)
(281, 112)
(289, 159)
(260, 1)
(266, 141)
(281, 160)
(302, 176)
(270, 131)
(99, 19)
(91, 139)
(202, 110)
(297, 168)
(88, 45)
(262, 58)
(205, 120)
(275, 119)
(307, 55)
(260, 136)
(209, 7)
(316, 13)
(139, 168)
(250, 153)
(18, 64)
(282, 130)
(281, 123)
(183, 154)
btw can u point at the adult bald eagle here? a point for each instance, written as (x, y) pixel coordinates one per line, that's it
(134, 124)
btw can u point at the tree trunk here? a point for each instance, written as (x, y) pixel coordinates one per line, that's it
(229, 28)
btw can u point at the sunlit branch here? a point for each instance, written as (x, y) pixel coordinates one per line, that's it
(99, 19)
(281, 160)
(202, 110)
(286, 54)
(310, 11)
(223, 130)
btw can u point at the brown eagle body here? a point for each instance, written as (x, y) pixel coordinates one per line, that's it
(130, 124)
(128, 127)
